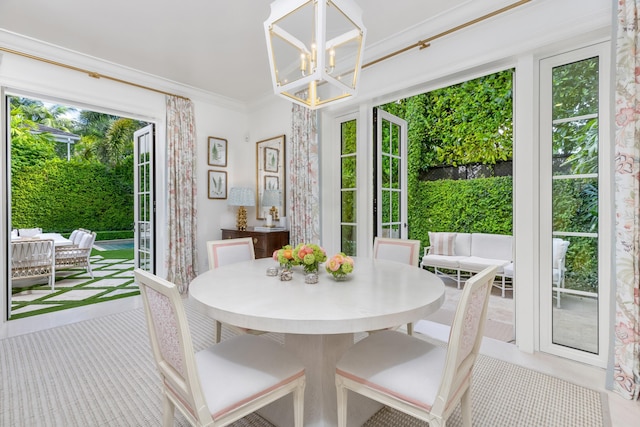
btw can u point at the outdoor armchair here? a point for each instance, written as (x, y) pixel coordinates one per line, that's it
(76, 256)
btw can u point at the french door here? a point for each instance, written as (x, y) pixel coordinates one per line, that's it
(575, 217)
(390, 203)
(144, 199)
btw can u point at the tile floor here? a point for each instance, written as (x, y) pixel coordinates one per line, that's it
(111, 277)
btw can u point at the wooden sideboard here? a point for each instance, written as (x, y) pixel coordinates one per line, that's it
(264, 242)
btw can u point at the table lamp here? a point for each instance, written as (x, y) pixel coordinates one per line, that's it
(271, 198)
(241, 197)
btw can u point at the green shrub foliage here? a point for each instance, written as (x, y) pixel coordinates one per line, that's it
(481, 205)
(61, 196)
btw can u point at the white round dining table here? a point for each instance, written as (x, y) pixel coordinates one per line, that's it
(318, 320)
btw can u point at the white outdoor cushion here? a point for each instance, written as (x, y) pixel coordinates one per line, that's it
(86, 241)
(29, 232)
(463, 244)
(442, 243)
(492, 246)
(559, 251)
(241, 368)
(391, 362)
(442, 261)
(477, 264)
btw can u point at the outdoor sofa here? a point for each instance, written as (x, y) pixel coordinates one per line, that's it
(465, 254)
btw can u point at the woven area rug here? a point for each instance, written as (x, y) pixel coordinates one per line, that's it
(100, 372)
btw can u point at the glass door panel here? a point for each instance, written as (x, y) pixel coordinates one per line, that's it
(144, 209)
(348, 187)
(391, 206)
(575, 206)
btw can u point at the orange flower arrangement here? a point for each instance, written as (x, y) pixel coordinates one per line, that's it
(285, 256)
(339, 265)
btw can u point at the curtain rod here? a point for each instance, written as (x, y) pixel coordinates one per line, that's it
(93, 74)
(423, 44)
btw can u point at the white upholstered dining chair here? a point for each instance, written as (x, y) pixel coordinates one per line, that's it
(222, 383)
(414, 376)
(225, 252)
(399, 250)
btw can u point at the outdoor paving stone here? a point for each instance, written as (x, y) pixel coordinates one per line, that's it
(128, 274)
(96, 273)
(77, 294)
(69, 283)
(109, 261)
(105, 272)
(119, 291)
(119, 266)
(30, 295)
(31, 307)
(110, 282)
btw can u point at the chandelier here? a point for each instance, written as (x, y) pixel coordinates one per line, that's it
(315, 50)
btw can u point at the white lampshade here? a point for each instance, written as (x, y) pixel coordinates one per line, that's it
(271, 198)
(240, 196)
(315, 50)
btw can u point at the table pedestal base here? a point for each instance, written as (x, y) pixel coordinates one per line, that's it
(319, 354)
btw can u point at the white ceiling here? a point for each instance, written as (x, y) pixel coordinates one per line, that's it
(214, 45)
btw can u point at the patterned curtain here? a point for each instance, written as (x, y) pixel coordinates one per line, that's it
(182, 256)
(304, 188)
(627, 199)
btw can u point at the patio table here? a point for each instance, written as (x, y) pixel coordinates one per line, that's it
(58, 239)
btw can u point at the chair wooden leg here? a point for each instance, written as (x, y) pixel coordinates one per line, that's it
(89, 270)
(409, 328)
(342, 403)
(168, 409)
(218, 332)
(465, 403)
(298, 406)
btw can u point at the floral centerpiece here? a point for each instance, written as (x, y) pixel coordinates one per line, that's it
(285, 257)
(339, 265)
(309, 256)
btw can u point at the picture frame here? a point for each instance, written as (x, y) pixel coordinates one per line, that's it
(271, 159)
(217, 151)
(270, 173)
(271, 182)
(217, 185)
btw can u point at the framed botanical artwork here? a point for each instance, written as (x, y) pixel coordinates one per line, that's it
(217, 185)
(271, 182)
(217, 149)
(270, 173)
(271, 159)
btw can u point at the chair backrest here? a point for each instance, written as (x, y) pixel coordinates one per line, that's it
(171, 343)
(33, 258)
(465, 337)
(87, 240)
(399, 250)
(559, 252)
(79, 234)
(230, 251)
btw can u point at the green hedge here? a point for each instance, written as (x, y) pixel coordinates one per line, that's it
(482, 205)
(61, 196)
